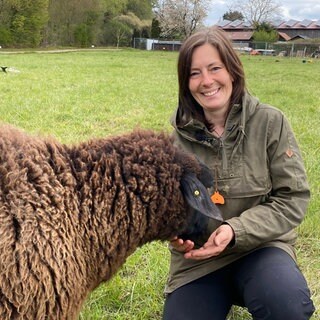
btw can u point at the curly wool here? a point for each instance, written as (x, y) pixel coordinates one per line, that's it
(71, 215)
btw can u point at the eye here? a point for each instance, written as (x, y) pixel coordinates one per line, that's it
(215, 69)
(194, 74)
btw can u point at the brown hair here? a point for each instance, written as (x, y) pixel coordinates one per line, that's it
(217, 38)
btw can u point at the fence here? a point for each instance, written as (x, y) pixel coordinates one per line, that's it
(156, 44)
(290, 49)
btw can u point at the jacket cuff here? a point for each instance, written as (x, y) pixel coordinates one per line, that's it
(233, 240)
(239, 232)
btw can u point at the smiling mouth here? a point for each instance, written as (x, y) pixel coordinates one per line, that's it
(211, 93)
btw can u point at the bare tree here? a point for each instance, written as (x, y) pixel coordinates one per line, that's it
(258, 11)
(181, 18)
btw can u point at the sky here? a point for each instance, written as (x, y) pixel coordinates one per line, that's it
(298, 10)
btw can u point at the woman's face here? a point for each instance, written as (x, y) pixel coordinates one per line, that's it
(210, 83)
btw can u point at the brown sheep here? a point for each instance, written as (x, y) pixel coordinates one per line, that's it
(71, 215)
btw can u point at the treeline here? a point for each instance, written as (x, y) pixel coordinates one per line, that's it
(34, 23)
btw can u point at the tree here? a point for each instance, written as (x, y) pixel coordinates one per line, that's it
(118, 33)
(84, 32)
(258, 11)
(232, 15)
(155, 29)
(73, 21)
(113, 8)
(265, 33)
(127, 19)
(22, 21)
(141, 8)
(5, 13)
(134, 22)
(5, 37)
(180, 18)
(264, 36)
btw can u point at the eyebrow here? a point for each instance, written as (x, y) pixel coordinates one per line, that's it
(212, 64)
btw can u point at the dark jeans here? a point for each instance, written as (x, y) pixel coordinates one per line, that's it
(267, 282)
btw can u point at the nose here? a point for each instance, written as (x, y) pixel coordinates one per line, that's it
(207, 79)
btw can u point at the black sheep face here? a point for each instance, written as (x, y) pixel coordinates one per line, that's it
(201, 210)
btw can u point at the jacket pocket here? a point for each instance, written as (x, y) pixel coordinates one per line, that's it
(242, 187)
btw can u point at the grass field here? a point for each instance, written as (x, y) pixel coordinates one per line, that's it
(77, 95)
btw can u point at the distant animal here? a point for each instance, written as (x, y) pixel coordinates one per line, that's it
(71, 215)
(9, 69)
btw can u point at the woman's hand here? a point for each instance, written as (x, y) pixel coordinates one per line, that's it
(216, 243)
(182, 245)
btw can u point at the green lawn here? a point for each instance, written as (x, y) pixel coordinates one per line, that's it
(77, 95)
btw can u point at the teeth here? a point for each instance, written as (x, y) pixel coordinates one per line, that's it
(211, 93)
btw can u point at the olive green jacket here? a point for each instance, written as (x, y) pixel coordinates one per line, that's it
(260, 173)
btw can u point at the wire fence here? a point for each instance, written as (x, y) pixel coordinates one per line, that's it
(289, 49)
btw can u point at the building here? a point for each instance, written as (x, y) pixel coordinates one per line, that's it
(306, 29)
(241, 31)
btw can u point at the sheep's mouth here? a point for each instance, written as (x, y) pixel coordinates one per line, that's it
(199, 227)
(196, 227)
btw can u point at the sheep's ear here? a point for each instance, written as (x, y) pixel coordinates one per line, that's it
(197, 197)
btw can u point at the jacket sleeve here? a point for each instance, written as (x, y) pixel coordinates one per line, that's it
(287, 202)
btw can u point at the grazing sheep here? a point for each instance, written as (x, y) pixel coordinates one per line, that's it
(71, 215)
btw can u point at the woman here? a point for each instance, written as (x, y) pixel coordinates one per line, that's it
(260, 188)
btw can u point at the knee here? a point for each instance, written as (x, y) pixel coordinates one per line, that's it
(284, 307)
(279, 291)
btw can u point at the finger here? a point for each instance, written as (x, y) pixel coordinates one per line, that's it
(189, 246)
(176, 242)
(181, 245)
(192, 256)
(202, 253)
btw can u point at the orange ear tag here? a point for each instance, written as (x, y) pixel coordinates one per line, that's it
(217, 198)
